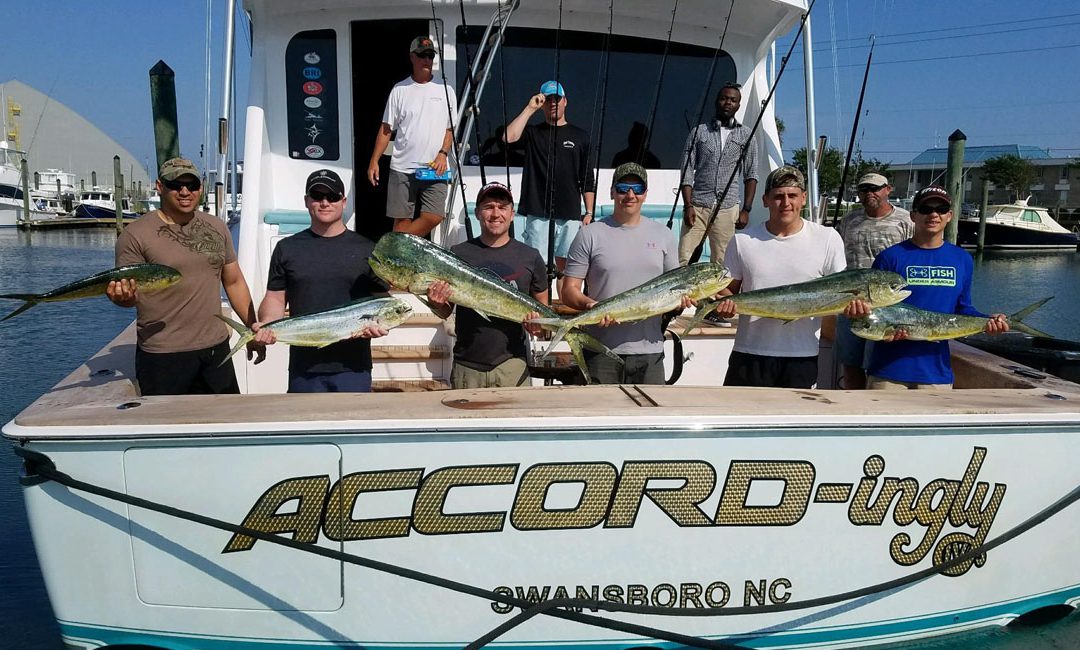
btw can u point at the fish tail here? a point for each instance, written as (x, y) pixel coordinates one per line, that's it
(1016, 320)
(704, 308)
(559, 336)
(590, 342)
(30, 298)
(245, 335)
(576, 345)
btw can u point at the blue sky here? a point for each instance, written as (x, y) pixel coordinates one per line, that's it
(1002, 71)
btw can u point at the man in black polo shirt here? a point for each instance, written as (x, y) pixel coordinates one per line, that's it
(489, 354)
(319, 268)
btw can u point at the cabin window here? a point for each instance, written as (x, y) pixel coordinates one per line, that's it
(1032, 216)
(634, 71)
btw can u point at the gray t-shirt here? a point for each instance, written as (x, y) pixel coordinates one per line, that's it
(612, 258)
(864, 237)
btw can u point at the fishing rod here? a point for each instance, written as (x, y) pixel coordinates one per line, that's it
(439, 36)
(550, 199)
(660, 84)
(750, 140)
(600, 99)
(854, 130)
(701, 114)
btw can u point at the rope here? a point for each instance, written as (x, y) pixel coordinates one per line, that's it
(40, 468)
(701, 114)
(453, 127)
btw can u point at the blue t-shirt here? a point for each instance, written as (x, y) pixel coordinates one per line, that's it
(939, 280)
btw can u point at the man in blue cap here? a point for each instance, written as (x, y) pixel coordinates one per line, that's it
(556, 178)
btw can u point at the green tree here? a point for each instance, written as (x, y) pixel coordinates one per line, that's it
(863, 167)
(780, 127)
(1011, 171)
(832, 165)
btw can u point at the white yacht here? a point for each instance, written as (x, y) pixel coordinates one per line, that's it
(12, 206)
(1017, 225)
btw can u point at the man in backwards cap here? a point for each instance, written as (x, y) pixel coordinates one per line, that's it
(939, 275)
(181, 345)
(553, 187)
(783, 250)
(616, 254)
(419, 109)
(491, 353)
(319, 268)
(866, 231)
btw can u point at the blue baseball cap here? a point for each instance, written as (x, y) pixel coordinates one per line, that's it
(552, 88)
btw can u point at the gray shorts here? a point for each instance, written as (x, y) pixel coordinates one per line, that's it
(404, 190)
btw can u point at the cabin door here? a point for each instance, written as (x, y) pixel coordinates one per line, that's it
(380, 59)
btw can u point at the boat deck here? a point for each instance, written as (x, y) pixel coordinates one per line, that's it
(100, 399)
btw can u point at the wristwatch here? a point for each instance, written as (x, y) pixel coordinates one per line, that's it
(443, 152)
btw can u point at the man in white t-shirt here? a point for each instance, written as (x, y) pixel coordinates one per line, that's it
(784, 250)
(419, 110)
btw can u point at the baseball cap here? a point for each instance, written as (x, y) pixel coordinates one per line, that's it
(326, 179)
(494, 187)
(552, 88)
(785, 176)
(873, 178)
(630, 169)
(174, 168)
(422, 44)
(932, 192)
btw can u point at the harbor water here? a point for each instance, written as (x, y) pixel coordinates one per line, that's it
(41, 346)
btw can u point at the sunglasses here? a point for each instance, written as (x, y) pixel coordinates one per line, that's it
(425, 55)
(318, 196)
(939, 208)
(192, 186)
(623, 188)
(865, 189)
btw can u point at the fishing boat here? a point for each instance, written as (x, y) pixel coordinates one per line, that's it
(12, 202)
(98, 203)
(1017, 226)
(559, 517)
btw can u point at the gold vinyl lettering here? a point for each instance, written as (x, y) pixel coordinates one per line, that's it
(339, 524)
(798, 479)
(679, 503)
(428, 515)
(309, 493)
(529, 513)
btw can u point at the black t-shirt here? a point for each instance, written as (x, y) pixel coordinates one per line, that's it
(318, 273)
(573, 175)
(482, 345)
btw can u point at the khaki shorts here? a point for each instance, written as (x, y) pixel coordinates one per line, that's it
(403, 191)
(881, 383)
(509, 373)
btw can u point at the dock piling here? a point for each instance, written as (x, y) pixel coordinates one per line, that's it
(954, 180)
(118, 195)
(163, 105)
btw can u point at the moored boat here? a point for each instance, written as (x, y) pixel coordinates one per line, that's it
(1017, 226)
(98, 203)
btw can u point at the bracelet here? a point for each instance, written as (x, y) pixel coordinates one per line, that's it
(587, 214)
(443, 152)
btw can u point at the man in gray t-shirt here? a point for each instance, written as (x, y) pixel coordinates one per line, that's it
(615, 254)
(866, 232)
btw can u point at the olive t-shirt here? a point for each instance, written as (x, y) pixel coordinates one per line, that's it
(179, 318)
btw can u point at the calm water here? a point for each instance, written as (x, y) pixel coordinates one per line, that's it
(41, 346)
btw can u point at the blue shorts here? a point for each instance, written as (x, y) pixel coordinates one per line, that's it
(536, 235)
(350, 381)
(851, 350)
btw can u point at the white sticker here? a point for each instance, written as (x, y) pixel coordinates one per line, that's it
(314, 151)
(312, 58)
(312, 102)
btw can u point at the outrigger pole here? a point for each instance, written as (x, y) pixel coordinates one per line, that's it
(854, 130)
(226, 104)
(552, 151)
(753, 130)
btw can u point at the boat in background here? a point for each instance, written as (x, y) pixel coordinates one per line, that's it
(97, 203)
(1017, 226)
(12, 208)
(1059, 357)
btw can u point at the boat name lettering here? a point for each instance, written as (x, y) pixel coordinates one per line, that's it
(702, 595)
(305, 507)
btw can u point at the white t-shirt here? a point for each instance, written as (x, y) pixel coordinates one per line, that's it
(762, 260)
(418, 112)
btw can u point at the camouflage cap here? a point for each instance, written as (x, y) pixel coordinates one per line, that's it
(174, 168)
(785, 176)
(422, 44)
(630, 169)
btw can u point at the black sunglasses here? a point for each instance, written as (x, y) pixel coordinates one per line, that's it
(192, 185)
(318, 196)
(940, 208)
(425, 55)
(869, 188)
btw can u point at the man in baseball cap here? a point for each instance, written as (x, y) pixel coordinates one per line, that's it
(422, 45)
(491, 353)
(553, 190)
(866, 232)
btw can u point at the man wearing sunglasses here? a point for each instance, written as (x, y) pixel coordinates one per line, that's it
(418, 115)
(784, 250)
(866, 232)
(710, 158)
(615, 254)
(180, 343)
(322, 267)
(556, 179)
(939, 274)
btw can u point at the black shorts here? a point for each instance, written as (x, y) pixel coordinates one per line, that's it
(197, 372)
(775, 372)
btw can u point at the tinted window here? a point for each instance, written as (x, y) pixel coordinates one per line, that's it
(528, 57)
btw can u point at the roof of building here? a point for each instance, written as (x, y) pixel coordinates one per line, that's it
(940, 156)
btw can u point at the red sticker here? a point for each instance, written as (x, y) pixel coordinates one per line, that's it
(313, 88)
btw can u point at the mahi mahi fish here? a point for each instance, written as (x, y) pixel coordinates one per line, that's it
(660, 295)
(923, 325)
(818, 297)
(148, 278)
(320, 329)
(413, 263)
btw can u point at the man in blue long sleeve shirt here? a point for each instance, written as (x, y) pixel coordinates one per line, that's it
(939, 276)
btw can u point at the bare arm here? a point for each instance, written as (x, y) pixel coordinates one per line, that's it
(442, 159)
(236, 288)
(382, 139)
(272, 306)
(572, 295)
(590, 204)
(516, 127)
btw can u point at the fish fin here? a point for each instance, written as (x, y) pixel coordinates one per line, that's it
(548, 323)
(559, 335)
(426, 302)
(241, 329)
(1016, 320)
(576, 345)
(30, 299)
(704, 308)
(493, 275)
(483, 315)
(590, 342)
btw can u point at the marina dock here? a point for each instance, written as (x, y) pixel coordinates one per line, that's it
(69, 223)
